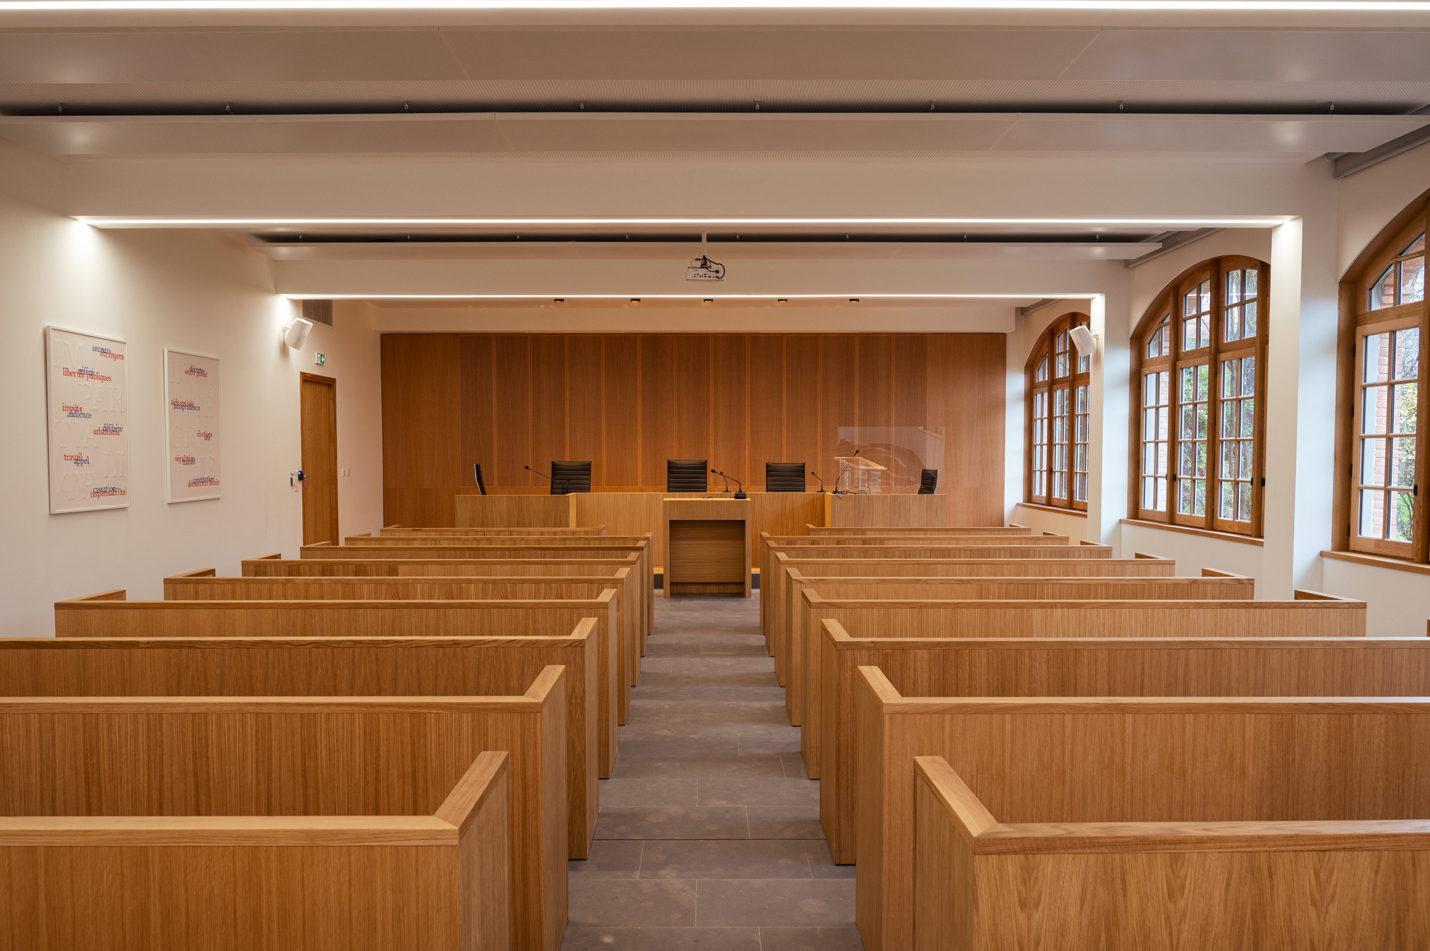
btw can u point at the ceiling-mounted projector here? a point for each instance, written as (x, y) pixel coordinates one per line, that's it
(704, 269)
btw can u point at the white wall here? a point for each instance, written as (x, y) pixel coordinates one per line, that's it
(194, 291)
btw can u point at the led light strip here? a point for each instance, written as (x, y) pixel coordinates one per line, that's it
(523, 6)
(116, 221)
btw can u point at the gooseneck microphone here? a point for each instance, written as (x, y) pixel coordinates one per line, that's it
(816, 475)
(557, 488)
(843, 467)
(739, 486)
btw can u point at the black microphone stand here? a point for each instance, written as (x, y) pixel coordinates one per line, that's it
(722, 475)
(820, 478)
(843, 467)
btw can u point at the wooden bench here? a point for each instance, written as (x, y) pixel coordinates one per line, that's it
(1308, 830)
(1087, 667)
(276, 566)
(1076, 760)
(108, 615)
(898, 539)
(776, 604)
(245, 880)
(205, 585)
(1318, 616)
(803, 644)
(299, 757)
(512, 547)
(927, 530)
(332, 667)
(940, 549)
(399, 531)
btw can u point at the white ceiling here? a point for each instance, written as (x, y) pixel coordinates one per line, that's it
(1023, 69)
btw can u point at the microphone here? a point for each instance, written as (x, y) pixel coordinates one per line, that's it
(820, 478)
(558, 488)
(739, 486)
(722, 475)
(843, 467)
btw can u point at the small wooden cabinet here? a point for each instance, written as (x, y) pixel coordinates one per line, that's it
(707, 545)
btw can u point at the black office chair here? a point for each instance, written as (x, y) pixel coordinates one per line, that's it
(477, 471)
(784, 477)
(568, 477)
(685, 475)
(928, 482)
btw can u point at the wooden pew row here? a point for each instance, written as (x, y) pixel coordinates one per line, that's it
(276, 566)
(941, 549)
(511, 547)
(923, 530)
(778, 613)
(1307, 828)
(452, 538)
(897, 539)
(803, 640)
(1319, 616)
(109, 616)
(250, 881)
(302, 757)
(399, 531)
(336, 667)
(1102, 884)
(1082, 667)
(205, 585)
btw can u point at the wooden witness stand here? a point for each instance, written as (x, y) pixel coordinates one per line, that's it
(708, 545)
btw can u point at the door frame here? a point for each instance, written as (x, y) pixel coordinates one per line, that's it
(332, 384)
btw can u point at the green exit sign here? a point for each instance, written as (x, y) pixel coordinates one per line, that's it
(320, 358)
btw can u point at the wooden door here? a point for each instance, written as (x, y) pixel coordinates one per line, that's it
(320, 459)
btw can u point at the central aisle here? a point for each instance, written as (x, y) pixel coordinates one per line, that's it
(709, 834)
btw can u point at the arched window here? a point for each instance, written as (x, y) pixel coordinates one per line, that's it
(1386, 289)
(1057, 418)
(1199, 366)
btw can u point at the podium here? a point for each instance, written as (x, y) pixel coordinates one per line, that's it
(707, 545)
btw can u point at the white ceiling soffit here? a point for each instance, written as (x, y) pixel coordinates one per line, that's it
(513, 69)
(132, 14)
(658, 133)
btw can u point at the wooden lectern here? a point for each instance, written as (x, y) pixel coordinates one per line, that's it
(707, 545)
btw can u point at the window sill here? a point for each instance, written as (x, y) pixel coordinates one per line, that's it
(1053, 508)
(1188, 530)
(1377, 561)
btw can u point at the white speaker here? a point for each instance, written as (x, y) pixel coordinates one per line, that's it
(1083, 339)
(296, 333)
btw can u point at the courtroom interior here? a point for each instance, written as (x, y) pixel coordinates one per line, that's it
(755, 475)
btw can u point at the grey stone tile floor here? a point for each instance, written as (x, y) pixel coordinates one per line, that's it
(709, 835)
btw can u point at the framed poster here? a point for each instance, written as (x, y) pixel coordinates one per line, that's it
(86, 401)
(191, 431)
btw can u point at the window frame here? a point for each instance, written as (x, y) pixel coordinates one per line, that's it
(1041, 431)
(1168, 309)
(1359, 321)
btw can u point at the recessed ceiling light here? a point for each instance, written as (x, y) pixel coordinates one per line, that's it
(560, 300)
(782, 300)
(635, 300)
(853, 300)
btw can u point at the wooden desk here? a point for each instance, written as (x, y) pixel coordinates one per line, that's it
(515, 511)
(707, 542)
(900, 511)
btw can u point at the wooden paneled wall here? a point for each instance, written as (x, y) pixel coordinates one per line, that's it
(628, 402)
